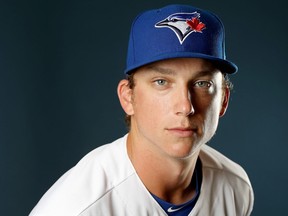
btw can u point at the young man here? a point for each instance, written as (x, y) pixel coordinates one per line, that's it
(175, 92)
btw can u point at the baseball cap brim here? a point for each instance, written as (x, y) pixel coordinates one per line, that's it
(225, 66)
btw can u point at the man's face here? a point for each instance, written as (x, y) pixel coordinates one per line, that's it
(176, 104)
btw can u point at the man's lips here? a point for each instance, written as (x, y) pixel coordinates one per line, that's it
(182, 131)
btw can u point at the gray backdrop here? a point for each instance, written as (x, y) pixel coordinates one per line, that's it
(60, 62)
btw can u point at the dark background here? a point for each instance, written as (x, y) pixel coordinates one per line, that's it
(60, 63)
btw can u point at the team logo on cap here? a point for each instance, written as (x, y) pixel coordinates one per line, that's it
(183, 24)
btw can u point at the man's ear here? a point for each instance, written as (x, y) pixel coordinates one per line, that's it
(225, 101)
(125, 96)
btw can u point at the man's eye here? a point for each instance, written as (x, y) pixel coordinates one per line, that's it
(203, 84)
(161, 82)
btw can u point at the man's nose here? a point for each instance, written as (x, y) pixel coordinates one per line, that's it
(184, 104)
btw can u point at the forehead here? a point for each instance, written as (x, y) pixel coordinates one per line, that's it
(180, 66)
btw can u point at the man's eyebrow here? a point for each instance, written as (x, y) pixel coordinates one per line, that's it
(168, 71)
(161, 70)
(206, 73)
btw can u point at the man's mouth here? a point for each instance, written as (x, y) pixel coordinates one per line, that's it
(182, 131)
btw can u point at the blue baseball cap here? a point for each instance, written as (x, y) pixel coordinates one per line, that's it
(177, 31)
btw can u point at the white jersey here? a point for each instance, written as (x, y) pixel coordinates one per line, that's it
(105, 183)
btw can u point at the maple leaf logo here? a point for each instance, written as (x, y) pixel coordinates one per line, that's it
(182, 24)
(195, 25)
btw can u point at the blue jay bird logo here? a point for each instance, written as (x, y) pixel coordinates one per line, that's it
(183, 24)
